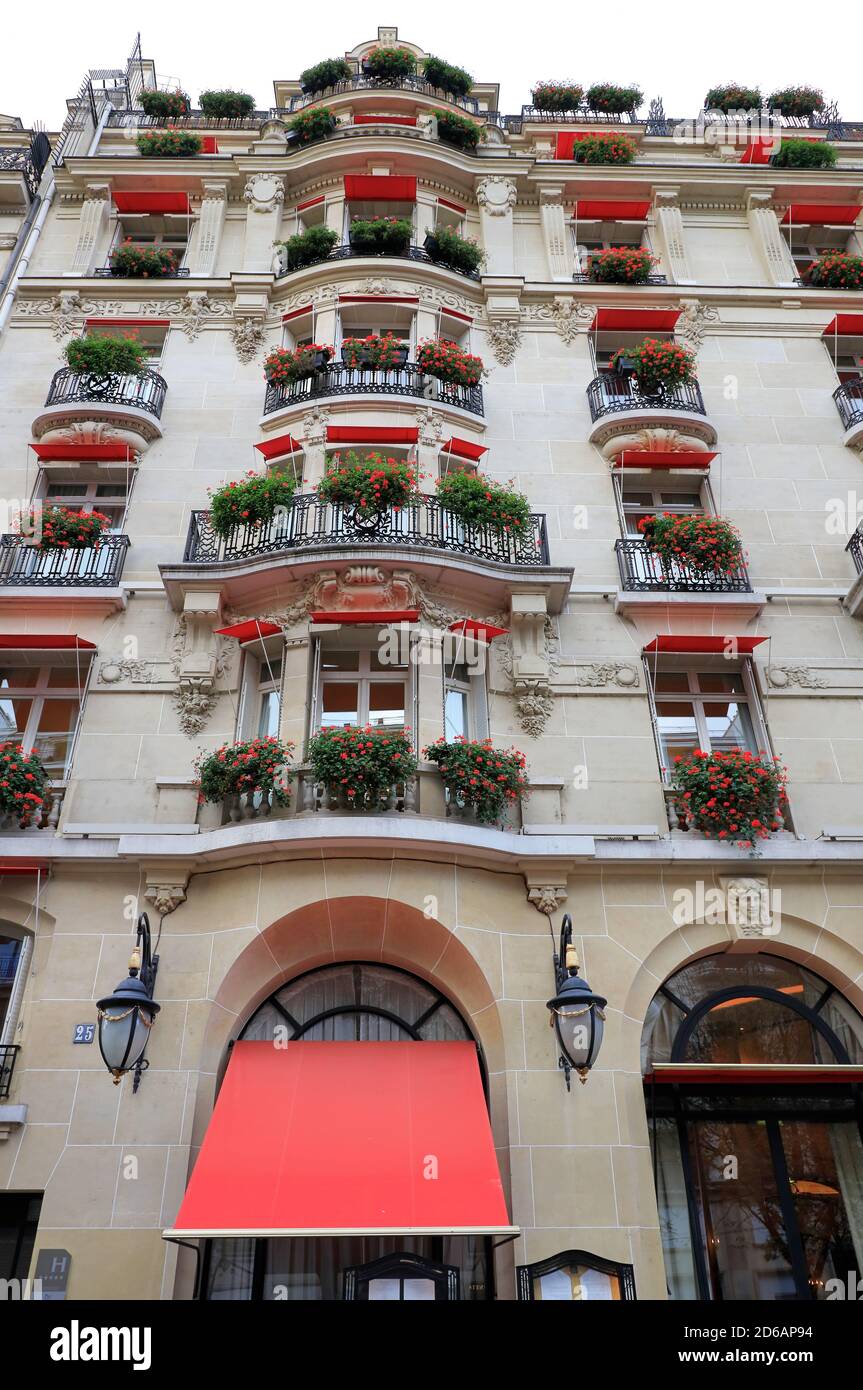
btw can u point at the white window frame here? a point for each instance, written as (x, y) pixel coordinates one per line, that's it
(362, 330)
(697, 698)
(629, 337)
(363, 677)
(39, 694)
(162, 238)
(621, 479)
(89, 502)
(476, 699)
(259, 679)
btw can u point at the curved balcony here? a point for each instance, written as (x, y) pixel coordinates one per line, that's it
(361, 83)
(618, 407)
(338, 380)
(133, 404)
(849, 403)
(413, 253)
(23, 565)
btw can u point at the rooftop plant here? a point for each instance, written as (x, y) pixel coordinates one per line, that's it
(796, 101)
(456, 81)
(604, 149)
(457, 130)
(226, 105)
(557, 96)
(733, 96)
(155, 103)
(106, 355)
(605, 96)
(389, 64)
(168, 144)
(314, 124)
(325, 74)
(803, 154)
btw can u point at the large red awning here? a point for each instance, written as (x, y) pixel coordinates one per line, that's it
(822, 214)
(464, 449)
(634, 320)
(159, 200)
(68, 453)
(385, 120)
(611, 210)
(336, 1138)
(375, 188)
(845, 326)
(661, 458)
(759, 151)
(704, 643)
(250, 630)
(385, 615)
(370, 434)
(44, 642)
(275, 448)
(565, 142)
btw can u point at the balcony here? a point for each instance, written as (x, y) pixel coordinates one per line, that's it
(8, 1056)
(413, 253)
(132, 404)
(854, 597)
(23, 565)
(193, 120)
(619, 408)
(362, 83)
(849, 403)
(48, 816)
(339, 380)
(108, 272)
(581, 277)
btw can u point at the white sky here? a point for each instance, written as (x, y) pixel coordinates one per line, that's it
(674, 51)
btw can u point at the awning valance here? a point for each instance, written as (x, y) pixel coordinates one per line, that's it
(472, 627)
(464, 449)
(336, 1138)
(60, 452)
(822, 214)
(250, 630)
(845, 326)
(611, 209)
(376, 188)
(370, 434)
(385, 120)
(275, 448)
(45, 642)
(706, 644)
(661, 458)
(635, 320)
(153, 200)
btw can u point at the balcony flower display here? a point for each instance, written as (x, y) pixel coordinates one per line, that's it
(803, 154)
(164, 103)
(456, 130)
(314, 124)
(226, 105)
(445, 246)
(101, 355)
(65, 528)
(836, 270)
(604, 149)
(656, 364)
(605, 96)
(733, 96)
(703, 544)
(255, 765)
(253, 501)
(390, 65)
(384, 352)
(370, 483)
(479, 501)
(729, 795)
(380, 236)
(325, 74)
(796, 101)
(362, 765)
(168, 144)
(142, 262)
(287, 365)
(308, 247)
(557, 96)
(23, 782)
(447, 78)
(478, 775)
(441, 358)
(621, 265)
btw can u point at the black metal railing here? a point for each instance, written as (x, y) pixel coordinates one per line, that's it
(92, 567)
(8, 1055)
(338, 380)
(583, 114)
(413, 253)
(193, 120)
(145, 391)
(849, 403)
(109, 272)
(617, 391)
(361, 83)
(28, 162)
(855, 549)
(309, 523)
(642, 571)
(582, 277)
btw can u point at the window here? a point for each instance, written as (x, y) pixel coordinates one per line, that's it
(605, 342)
(10, 952)
(846, 354)
(465, 712)
(357, 687)
(807, 244)
(649, 498)
(590, 236)
(110, 498)
(19, 1221)
(167, 231)
(574, 1276)
(713, 710)
(381, 207)
(152, 336)
(40, 707)
(259, 714)
(361, 320)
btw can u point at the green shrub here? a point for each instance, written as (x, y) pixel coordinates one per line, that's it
(256, 765)
(733, 97)
(605, 96)
(478, 775)
(479, 501)
(142, 262)
(168, 144)
(461, 253)
(362, 764)
(164, 103)
(796, 101)
(98, 355)
(227, 105)
(380, 235)
(370, 482)
(23, 783)
(325, 74)
(557, 96)
(658, 364)
(604, 149)
(251, 502)
(309, 247)
(836, 270)
(450, 79)
(457, 130)
(804, 154)
(705, 544)
(621, 265)
(314, 124)
(390, 64)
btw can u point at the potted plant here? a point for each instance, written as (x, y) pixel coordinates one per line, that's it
(604, 149)
(227, 105)
(161, 104)
(729, 795)
(703, 544)
(328, 73)
(287, 365)
(803, 154)
(315, 124)
(457, 130)
(447, 247)
(103, 355)
(142, 262)
(370, 483)
(836, 270)
(380, 236)
(168, 144)
(360, 767)
(65, 528)
(621, 265)
(557, 96)
(479, 776)
(23, 783)
(308, 247)
(445, 360)
(253, 501)
(658, 365)
(479, 501)
(733, 96)
(384, 353)
(796, 101)
(447, 78)
(605, 96)
(257, 765)
(389, 65)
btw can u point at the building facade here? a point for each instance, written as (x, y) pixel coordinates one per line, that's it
(715, 1150)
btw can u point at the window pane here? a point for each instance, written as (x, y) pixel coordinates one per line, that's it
(340, 661)
(18, 677)
(13, 716)
(53, 740)
(387, 704)
(54, 490)
(729, 726)
(64, 678)
(340, 702)
(678, 732)
(713, 681)
(268, 722)
(455, 714)
(753, 1032)
(396, 664)
(671, 681)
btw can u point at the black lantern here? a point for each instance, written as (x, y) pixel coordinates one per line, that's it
(127, 1015)
(577, 1013)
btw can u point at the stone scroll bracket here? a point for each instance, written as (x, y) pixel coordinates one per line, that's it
(198, 659)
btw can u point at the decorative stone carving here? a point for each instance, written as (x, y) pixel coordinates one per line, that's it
(194, 700)
(596, 674)
(93, 221)
(165, 897)
(137, 672)
(265, 192)
(657, 439)
(211, 220)
(570, 318)
(547, 898)
(749, 907)
(496, 195)
(197, 662)
(504, 336)
(67, 313)
(315, 424)
(248, 337)
(669, 223)
(534, 703)
(430, 426)
(782, 677)
(691, 326)
(197, 302)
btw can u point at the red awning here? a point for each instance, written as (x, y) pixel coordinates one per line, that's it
(370, 434)
(275, 448)
(759, 151)
(472, 627)
(392, 615)
(156, 200)
(385, 120)
(463, 449)
(822, 214)
(297, 313)
(707, 643)
(250, 630)
(336, 1138)
(209, 144)
(108, 322)
(845, 326)
(377, 188)
(611, 210)
(456, 207)
(22, 866)
(44, 642)
(311, 202)
(565, 142)
(62, 453)
(634, 320)
(660, 458)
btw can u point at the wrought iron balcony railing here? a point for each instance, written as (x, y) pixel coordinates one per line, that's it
(581, 277)
(855, 549)
(849, 403)
(413, 253)
(641, 571)
(339, 380)
(92, 567)
(308, 523)
(143, 392)
(611, 392)
(361, 83)
(193, 120)
(8, 1055)
(584, 114)
(108, 272)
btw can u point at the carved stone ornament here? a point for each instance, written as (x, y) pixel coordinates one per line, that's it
(165, 897)
(265, 192)
(783, 677)
(597, 674)
(569, 318)
(430, 426)
(749, 906)
(315, 424)
(504, 336)
(137, 672)
(197, 662)
(691, 327)
(68, 311)
(248, 337)
(496, 195)
(534, 703)
(656, 439)
(547, 898)
(197, 310)
(194, 700)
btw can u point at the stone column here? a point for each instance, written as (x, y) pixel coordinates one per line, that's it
(314, 445)
(558, 249)
(497, 197)
(95, 212)
(265, 195)
(214, 202)
(669, 226)
(295, 682)
(334, 213)
(773, 249)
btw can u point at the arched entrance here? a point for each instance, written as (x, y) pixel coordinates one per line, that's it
(753, 1067)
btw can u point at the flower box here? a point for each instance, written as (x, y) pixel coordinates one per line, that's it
(285, 365)
(604, 149)
(557, 96)
(315, 124)
(479, 776)
(258, 765)
(65, 528)
(445, 360)
(380, 236)
(733, 97)
(254, 501)
(226, 105)
(444, 245)
(168, 144)
(359, 767)
(371, 483)
(308, 247)
(706, 545)
(142, 262)
(796, 101)
(733, 795)
(456, 82)
(621, 265)
(386, 353)
(390, 65)
(605, 96)
(836, 270)
(23, 785)
(459, 131)
(162, 104)
(101, 355)
(479, 501)
(657, 365)
(328, 73)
